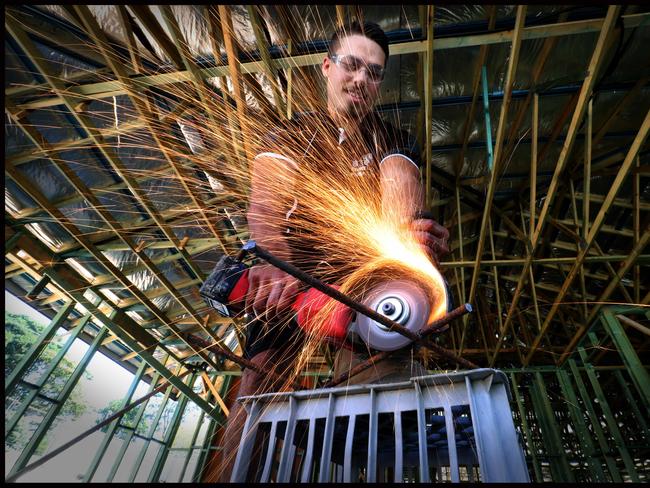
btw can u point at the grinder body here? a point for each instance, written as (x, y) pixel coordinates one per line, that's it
(226, 288)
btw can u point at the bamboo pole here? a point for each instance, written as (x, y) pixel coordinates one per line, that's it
(263, 47)
(584, 95)
(533, 165)
(512, 66)
(475, 90)
(428, 81)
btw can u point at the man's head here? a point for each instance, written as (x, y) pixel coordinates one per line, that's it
(354, 69)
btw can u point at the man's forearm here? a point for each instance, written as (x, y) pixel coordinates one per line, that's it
(267, 222)
(267, 228)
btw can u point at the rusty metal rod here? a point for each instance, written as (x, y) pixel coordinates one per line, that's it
(251, 246)
(217, 349)
(438, 325)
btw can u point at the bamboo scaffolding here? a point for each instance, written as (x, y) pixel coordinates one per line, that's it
(598, 221)
(584, 95)
(84, 121)
(111, 88)
(143, 110)
(498, 143)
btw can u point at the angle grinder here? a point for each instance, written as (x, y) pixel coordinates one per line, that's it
(409, 301)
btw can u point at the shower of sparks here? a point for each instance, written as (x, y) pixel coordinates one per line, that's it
(215, 138)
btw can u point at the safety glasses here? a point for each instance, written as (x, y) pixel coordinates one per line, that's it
(352, 64)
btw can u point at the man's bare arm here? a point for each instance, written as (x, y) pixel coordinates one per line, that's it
(401, 182)
(270, 290)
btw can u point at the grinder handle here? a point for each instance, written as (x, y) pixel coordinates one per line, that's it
(306, 306)
(334, 328)
(239, 291)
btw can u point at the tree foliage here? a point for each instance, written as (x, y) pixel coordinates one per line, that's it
(128, 419)
(21, 332)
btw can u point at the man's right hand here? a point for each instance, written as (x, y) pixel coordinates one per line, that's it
(270, 291)
(433, 238)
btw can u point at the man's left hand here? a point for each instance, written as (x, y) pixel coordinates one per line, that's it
(433, 237)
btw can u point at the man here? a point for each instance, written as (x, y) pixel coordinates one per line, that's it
(353, 69)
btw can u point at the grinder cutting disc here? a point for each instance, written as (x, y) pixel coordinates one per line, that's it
(403, 302)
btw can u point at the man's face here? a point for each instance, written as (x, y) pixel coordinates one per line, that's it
(352, 84)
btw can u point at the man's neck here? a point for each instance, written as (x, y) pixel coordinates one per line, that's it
(349, 124)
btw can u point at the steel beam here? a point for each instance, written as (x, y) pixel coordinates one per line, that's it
(538, 68)
(632, 402)
(192, 444)
(630, 97)
(582, 431)
(112, 428)
(634, 324)
(52, 413)
(603, 442)
(559, 464)
(636, 196)
(610, 420)
(125, 22)
(207, 441)
(532, 448)
(169, 436)
(138, 416)
(638, 373)
(45, 375)
(149, 436)
(30, 356)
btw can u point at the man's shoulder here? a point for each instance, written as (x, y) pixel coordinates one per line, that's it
(390, 131)
(384, 124)
(396, 138)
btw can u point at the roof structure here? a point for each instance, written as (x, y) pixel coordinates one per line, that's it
(533, 124)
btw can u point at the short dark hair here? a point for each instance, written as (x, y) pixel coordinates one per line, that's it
(368, 29)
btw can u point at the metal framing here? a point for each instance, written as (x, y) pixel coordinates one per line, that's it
(591, 420)
(522, 286)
